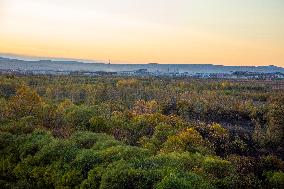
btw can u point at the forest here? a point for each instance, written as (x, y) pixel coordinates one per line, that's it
(140, 132)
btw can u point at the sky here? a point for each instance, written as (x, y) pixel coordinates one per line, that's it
(227, 32)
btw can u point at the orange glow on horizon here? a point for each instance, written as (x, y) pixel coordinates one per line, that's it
(94, 31)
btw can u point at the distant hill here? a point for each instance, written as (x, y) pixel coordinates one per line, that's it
(56, 65)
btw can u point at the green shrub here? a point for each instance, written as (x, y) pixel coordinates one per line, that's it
(184, 181)
(122, 175)
(98, 124)
(275, 179)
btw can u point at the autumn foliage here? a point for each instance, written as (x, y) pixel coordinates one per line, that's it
(115, 132)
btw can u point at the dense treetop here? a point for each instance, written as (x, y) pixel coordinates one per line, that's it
(140, 132)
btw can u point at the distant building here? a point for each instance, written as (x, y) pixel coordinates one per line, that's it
(141, 71)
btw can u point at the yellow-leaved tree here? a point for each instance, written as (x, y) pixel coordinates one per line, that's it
(26, 102)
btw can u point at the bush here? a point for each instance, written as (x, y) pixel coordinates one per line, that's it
(34, 142)
(79, 117)
(94, 178)
(187, 140)
(189, 180)
(84, 139)
(221, 172)
(99, 125)
(122, 175)
(275, 179)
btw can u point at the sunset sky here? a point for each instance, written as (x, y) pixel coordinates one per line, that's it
(228, 32)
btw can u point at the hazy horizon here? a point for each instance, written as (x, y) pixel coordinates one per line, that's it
(59, 59)
(221, 32)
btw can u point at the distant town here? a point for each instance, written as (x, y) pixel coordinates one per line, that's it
(49, 67)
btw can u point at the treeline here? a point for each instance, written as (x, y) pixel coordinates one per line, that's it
(115, 132)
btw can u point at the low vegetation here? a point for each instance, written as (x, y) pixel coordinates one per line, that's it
(115, 132)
